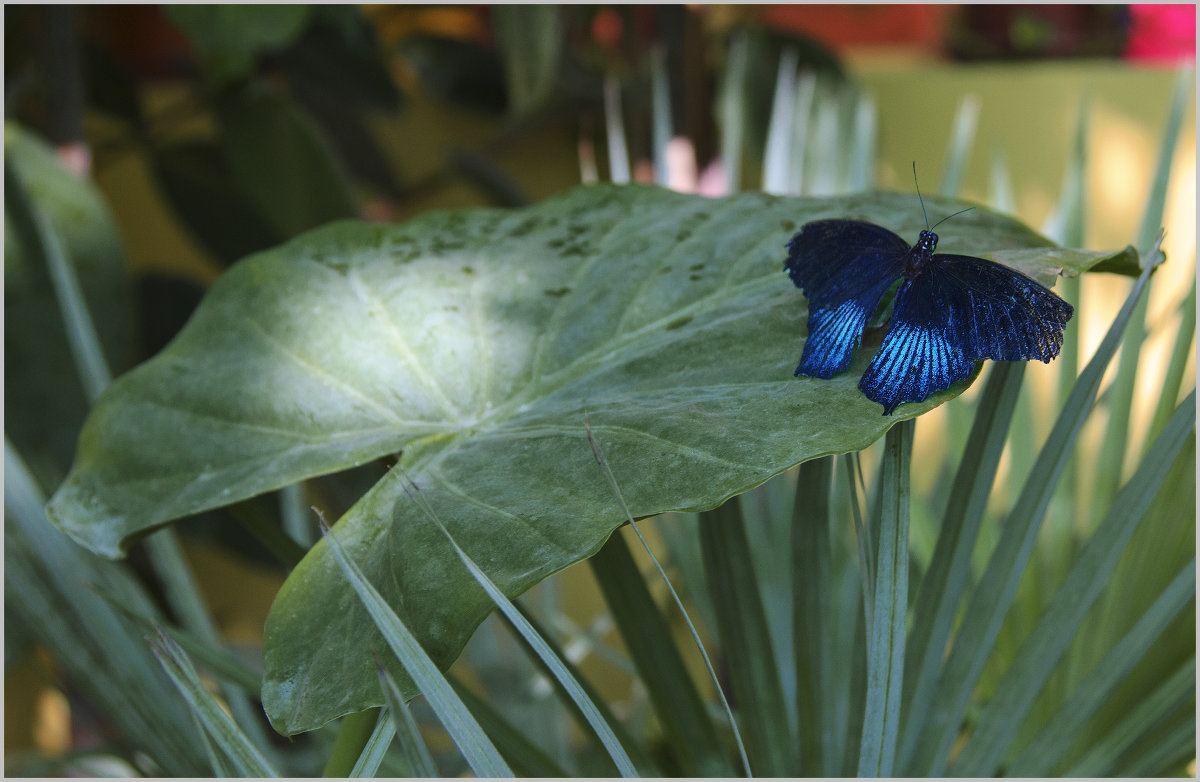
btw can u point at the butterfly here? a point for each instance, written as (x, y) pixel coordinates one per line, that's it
(949, 310)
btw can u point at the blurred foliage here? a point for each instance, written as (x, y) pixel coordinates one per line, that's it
(1023, 32)
(258, 122)
(44, 403)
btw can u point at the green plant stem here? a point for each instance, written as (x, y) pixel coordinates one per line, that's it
(885, 645)
(352, 737)
(742, 626)
(813, 624)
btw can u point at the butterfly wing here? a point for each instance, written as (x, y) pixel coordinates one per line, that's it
(957, 310)
(844, 267)
(920, 354)
(1000, 313)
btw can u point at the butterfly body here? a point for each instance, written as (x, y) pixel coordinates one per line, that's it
(949, 310)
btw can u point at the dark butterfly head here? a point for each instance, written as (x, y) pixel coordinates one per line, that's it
(926, 242)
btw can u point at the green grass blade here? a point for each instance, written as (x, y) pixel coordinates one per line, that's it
(481, 755)
(862, 535)
(962, 135)
(53, 585)
(525, 758)
(1066, 223)
(1067, 228)
(217, 660)
(1152, 217)
(745, 640)
(78, 325)
(134, 709)
(778, 152)
(1035, 662)
(1116, 439)
(221, 766)
(1000, 191)
(885, 645)
(166, 555)
(826, 144)
(766, 515)
(1166, 754)
(680, 709)
(993, 594)
(861, 174)
(642, 762)
(1167, 698)
(614, 122)
(598, 453)
(733, 111)
(806, 86)
(946, 578)
(294, 512)
(1040, 757)
(661, 128)
(1173, 379)
(814, 624)
(598, 722)
(678, 532)
(224, 732)
(376, 748)
(856, 681)
(408, 735)
(187, 604)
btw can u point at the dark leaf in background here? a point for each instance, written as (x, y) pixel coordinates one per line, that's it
(501, 188)
(336, 71)
(108, 85)
(202, 190)
(459, 72)
(280, 161)
(338, 54)
(167, 301)
(19, 637)
(1016, 32)
(343, 125)
(44, 402)
(228, 38)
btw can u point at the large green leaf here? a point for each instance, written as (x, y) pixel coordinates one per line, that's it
(474, 342)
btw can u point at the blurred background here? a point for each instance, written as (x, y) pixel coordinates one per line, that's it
(211, 132)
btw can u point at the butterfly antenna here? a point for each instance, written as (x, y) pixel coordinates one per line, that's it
(944, 219)
(922, 200)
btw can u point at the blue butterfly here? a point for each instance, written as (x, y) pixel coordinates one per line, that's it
(949, 310)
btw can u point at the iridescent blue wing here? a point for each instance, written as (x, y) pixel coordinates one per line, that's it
(844, 267)
(999, 313)
(921, 352)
